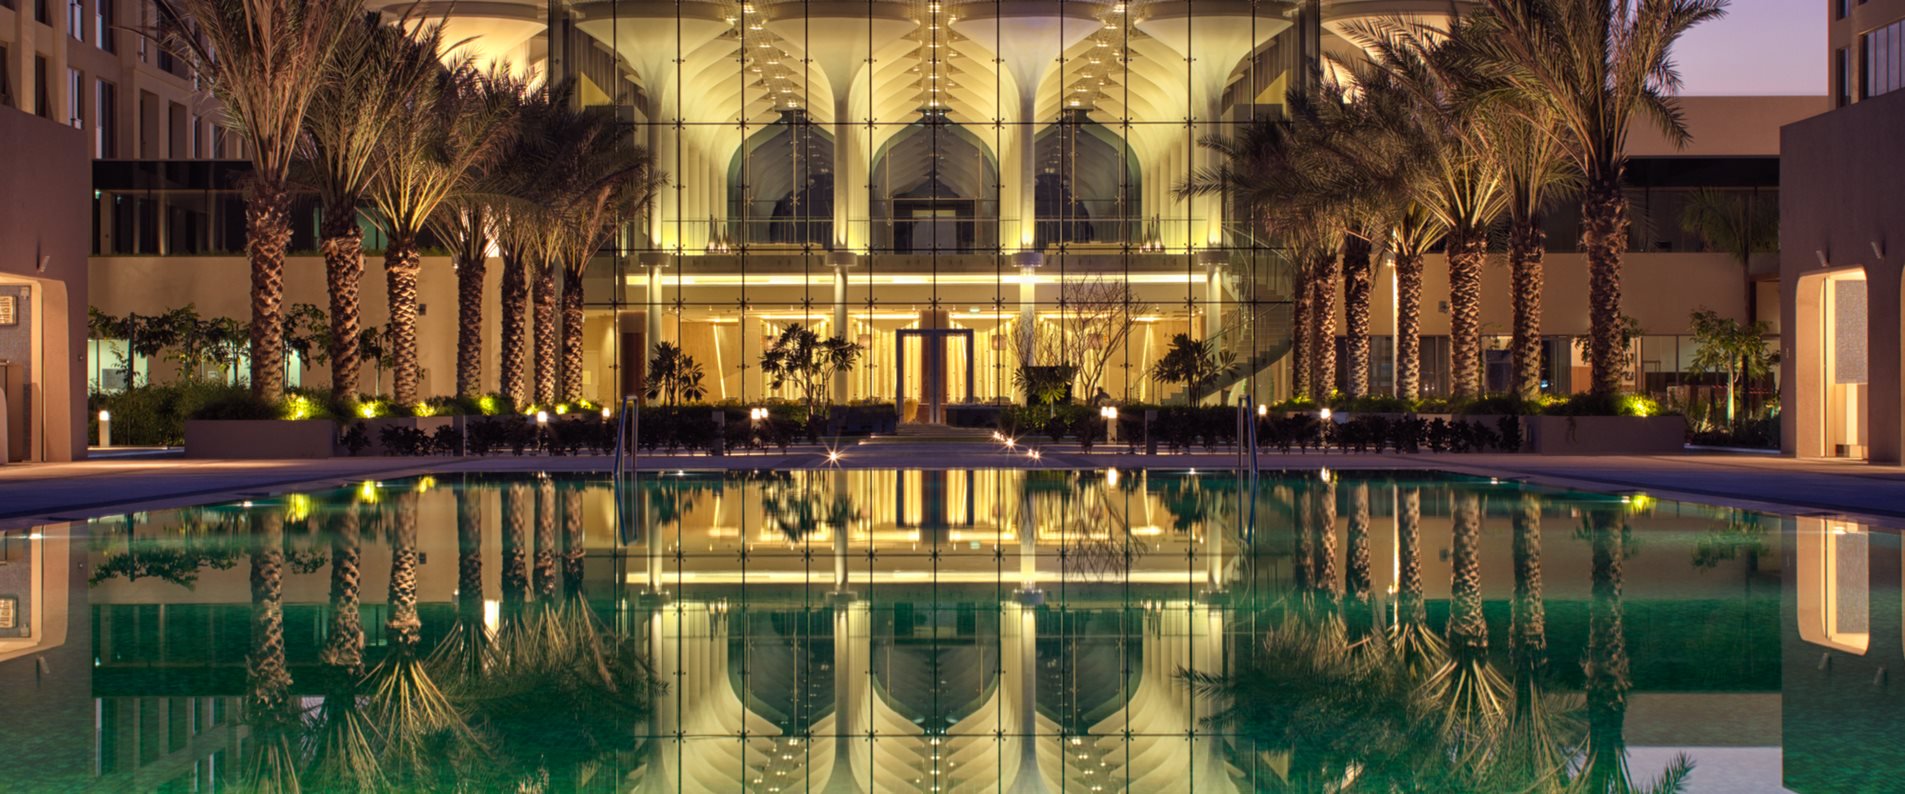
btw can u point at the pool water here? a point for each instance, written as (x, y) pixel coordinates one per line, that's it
(951, 631)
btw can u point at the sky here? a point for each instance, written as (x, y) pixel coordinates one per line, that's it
(1760, 47)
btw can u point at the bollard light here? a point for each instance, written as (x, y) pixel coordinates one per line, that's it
(1325, 413)
(105, 428)
(607, 414)
(1263, 410)
(542, 417)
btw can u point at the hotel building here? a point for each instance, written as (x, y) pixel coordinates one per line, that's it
(930, 179)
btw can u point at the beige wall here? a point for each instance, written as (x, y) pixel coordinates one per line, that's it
(44, 226)
(1659, 290)
(1724, 126)
(219, 286)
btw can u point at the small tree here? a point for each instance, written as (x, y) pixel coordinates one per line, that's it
(674, 376)
(1729, 346)
(1196, 365)
(307, 332)
(800, 358)
(373, 344)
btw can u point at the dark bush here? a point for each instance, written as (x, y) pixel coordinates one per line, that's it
(355, 439)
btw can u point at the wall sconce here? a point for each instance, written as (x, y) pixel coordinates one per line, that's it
(1821, 253)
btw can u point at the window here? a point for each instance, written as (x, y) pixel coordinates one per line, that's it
(106, 120)
(1842, 78)
(6, 77)
(75, 98)
(104, 15)
(76, 19)
(1882, 60)
(1843, 7)
(42, 93)
(42, 12)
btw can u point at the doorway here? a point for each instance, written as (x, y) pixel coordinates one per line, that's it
(933, 377)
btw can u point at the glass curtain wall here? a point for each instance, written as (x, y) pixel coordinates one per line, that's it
(966, 189)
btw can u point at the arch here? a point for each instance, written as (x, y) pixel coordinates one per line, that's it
(935, 188)
(1089, 183)
(780, 183)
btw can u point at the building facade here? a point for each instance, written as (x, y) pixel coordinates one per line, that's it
(1839, 263)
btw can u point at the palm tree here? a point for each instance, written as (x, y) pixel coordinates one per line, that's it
(602, 178)
(1462, 185)
(349, 115)
(265, 60)
(1536, 171)
(455, 125)
(513, 357)
(1358, 273)
(1741, 224)
(470, 221)
(1600, 67)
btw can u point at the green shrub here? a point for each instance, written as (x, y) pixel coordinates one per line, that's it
(152, 415)
(238, 406)
(1497, 404)
(1606, 405)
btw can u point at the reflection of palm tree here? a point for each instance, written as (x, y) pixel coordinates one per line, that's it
(1358, 601)
(269, 709)
(1536, 751)
(461, 657)
(1604, 759)
(344, 757)
(1468, 686)
(1323, 504)
(545, 537)
(1419, 647)
(567, 692)
(416, 717)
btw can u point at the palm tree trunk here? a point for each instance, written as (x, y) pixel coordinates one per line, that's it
(571, 379)
(343, 247)
(344, 645)
(545, 538)
(267, 236)
(402, 266)
(1467, 253)
(1323, 333)
(404, 629)
(1408, 325)
(469, 325)
(1358, 274)
(1528, 616)
(1468, 630)
(1604, 226)
(545, 304)
(514, 356)
(1301, 329)
(1527, 243)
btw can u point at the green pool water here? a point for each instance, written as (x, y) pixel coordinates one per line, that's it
(951, 631)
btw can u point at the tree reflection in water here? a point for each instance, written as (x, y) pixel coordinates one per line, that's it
(1350, 679)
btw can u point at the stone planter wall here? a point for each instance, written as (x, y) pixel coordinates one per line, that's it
(259, 439)
(1605, 435)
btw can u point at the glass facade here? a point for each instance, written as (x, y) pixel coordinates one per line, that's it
(1001, 176)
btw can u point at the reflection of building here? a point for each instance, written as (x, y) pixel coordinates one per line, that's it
(1843, 632)
(1840, 233)
(980, 171)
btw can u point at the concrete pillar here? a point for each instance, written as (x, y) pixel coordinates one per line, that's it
(841, 262)
(1028, 263)
(653, 304)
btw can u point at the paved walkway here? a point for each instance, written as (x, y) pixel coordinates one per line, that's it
(1876, 494)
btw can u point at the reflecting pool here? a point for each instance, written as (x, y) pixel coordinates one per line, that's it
(1011, 631)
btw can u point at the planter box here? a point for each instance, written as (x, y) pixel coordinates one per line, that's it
(1605, 435)
(257, 439)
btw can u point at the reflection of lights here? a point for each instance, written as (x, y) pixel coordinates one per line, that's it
(425, 483)
(1323, 474)
(245, 504)
(1032, 453)
(1111, 477)
(1147, 530)
(367, 492)
(833, 456)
